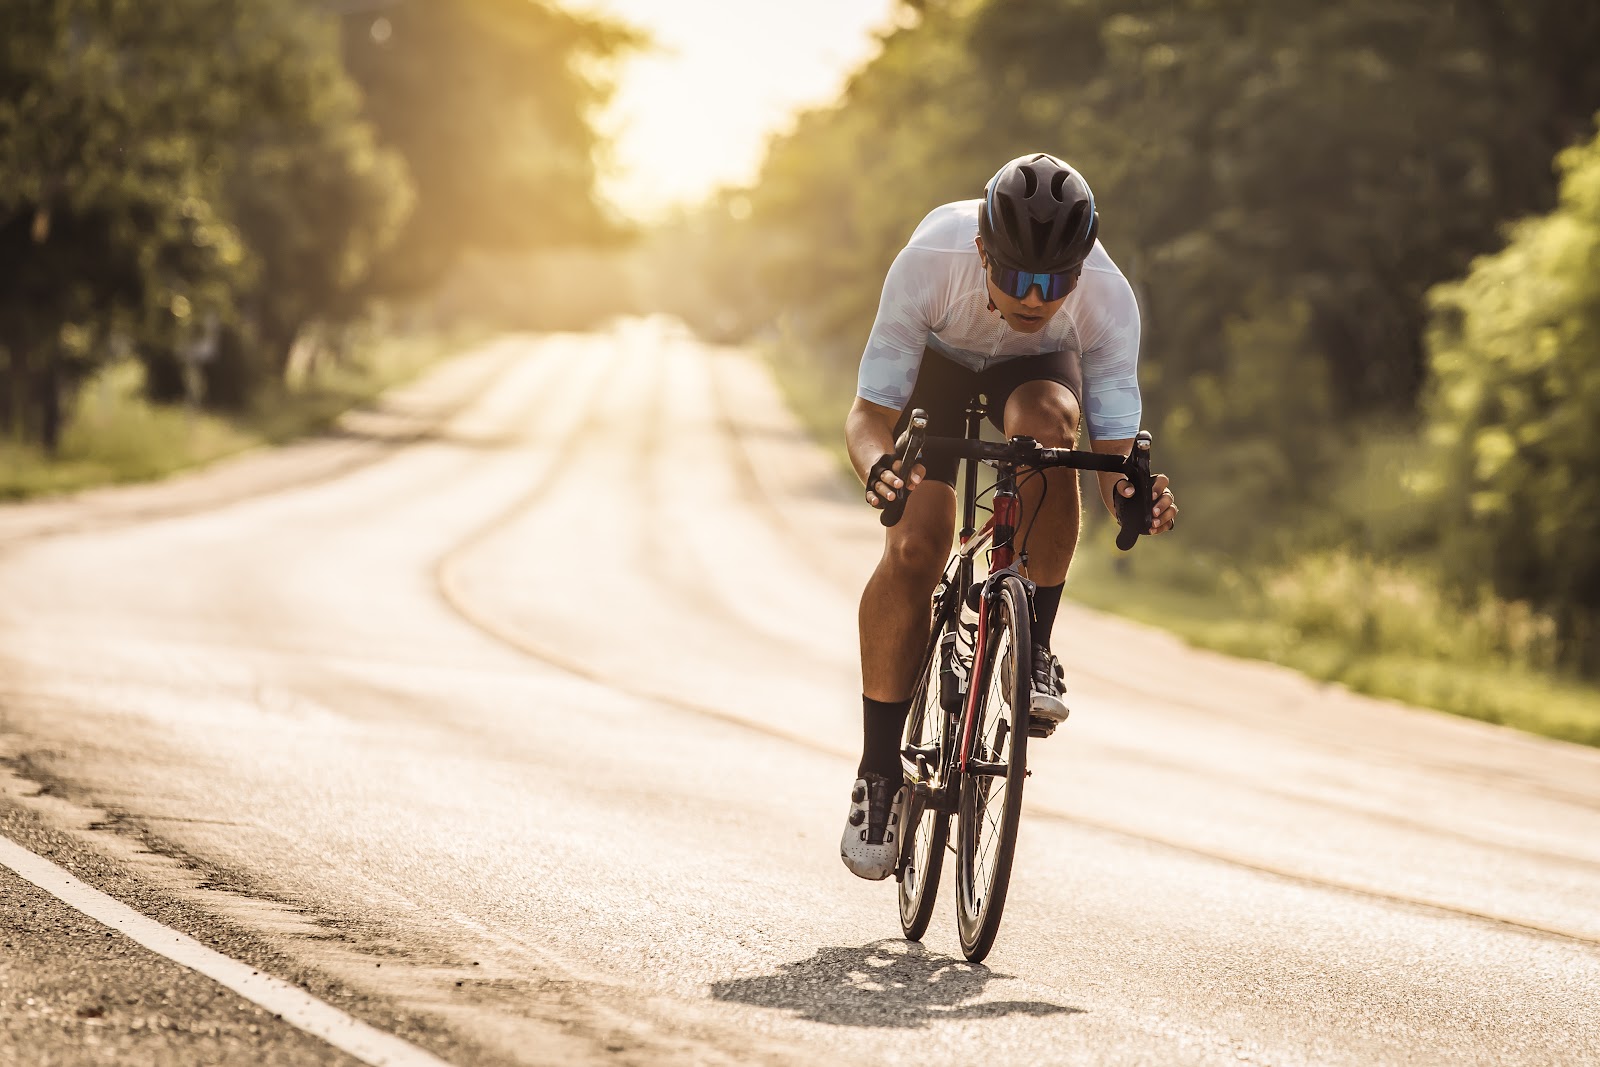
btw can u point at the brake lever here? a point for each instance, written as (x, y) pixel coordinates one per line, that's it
(908, 451)
(1133, 512)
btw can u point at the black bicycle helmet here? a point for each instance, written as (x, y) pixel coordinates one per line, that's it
(1038, 215)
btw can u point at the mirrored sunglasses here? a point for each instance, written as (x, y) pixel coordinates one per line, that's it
(1018, 282)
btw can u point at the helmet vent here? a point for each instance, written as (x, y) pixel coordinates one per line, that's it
(1075, 221)
(1030, 182)
(1008, 215)
(1058, 181)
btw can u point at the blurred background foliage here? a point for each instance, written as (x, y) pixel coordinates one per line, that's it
(1284, 183)
(215, 189)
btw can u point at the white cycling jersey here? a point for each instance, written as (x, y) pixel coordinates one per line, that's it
(935, 297)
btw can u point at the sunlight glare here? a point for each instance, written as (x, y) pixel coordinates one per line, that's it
(695, 112)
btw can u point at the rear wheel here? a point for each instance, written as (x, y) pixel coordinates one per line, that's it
(923, 859)
(991, 790)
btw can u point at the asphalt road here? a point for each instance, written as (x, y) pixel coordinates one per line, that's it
(529, 735)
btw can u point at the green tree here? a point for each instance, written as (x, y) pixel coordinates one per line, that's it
(108, 199)
(1282, 181)
(1515, 410)
(315, 199)
(490, 103)
(1348, 155)
(163, 167)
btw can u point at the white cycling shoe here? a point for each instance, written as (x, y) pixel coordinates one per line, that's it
(870, 846)
(1046, 708)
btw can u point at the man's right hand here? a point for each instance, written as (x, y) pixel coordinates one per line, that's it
(869, 435)
(888, 483)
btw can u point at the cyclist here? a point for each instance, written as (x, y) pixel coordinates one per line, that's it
(1010, 296)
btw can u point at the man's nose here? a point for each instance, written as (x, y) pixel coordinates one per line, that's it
(1035, 297)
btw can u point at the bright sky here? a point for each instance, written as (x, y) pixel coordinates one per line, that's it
(695, 112)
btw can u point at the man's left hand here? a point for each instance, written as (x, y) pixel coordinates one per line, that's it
(1164, 506)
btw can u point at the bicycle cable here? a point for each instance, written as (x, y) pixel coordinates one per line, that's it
(1032, 473)
(1022, 550)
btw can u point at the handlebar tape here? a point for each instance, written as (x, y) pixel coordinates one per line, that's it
(908, 452)
(1133, 512)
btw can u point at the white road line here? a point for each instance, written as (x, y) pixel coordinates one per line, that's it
(297, 1007)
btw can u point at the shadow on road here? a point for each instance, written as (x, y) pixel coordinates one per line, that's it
(885, 983)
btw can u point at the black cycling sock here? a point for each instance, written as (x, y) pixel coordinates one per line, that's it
(882, 723)
(1046, 600)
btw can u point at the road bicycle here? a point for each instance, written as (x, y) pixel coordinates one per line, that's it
(965, 748)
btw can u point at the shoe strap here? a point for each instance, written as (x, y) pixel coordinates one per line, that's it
(878, 813)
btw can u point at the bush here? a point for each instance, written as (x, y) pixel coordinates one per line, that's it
(1515, 412)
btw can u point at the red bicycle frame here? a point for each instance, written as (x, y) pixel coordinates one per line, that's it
(1002, 527)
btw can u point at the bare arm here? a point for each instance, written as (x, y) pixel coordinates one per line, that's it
(868, 434)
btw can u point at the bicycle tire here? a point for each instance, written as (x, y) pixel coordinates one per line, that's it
(928, 830)
(985, 844)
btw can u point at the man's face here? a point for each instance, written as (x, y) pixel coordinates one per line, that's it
(1027, 314)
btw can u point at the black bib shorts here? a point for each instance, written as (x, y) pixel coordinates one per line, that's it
(944, 387)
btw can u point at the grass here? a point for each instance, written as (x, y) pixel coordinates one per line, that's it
(117, 436)
(1380, 629)
(1383, 629)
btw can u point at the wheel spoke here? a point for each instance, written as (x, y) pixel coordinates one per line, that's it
(988, 837)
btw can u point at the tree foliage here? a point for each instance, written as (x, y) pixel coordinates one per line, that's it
(1515, 409)
(490, 102)
(314, 197)
(1283, 182)
(110, 212)
(207, 175)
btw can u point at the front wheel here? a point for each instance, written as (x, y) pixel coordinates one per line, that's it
(927, 829)
(991, 791)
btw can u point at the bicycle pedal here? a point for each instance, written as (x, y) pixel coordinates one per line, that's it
(1038, 727)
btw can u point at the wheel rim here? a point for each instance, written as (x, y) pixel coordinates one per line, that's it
(924, 828)
(921, 854)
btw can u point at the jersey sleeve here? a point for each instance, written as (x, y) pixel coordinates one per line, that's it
(893, 355)
(1112, 406)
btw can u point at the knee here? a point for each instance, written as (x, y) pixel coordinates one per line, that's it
(917, 558)
(1049, 418)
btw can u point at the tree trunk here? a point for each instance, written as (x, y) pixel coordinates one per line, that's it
(8, 393)
(48, 398)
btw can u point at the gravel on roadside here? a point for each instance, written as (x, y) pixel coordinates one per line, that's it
(75, 992)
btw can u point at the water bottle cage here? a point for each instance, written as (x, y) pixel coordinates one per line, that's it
(952, 675)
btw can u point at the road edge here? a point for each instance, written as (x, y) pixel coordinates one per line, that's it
(288, 1002)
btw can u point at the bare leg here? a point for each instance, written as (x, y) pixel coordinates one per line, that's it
(1047, 412)
(895, 612)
